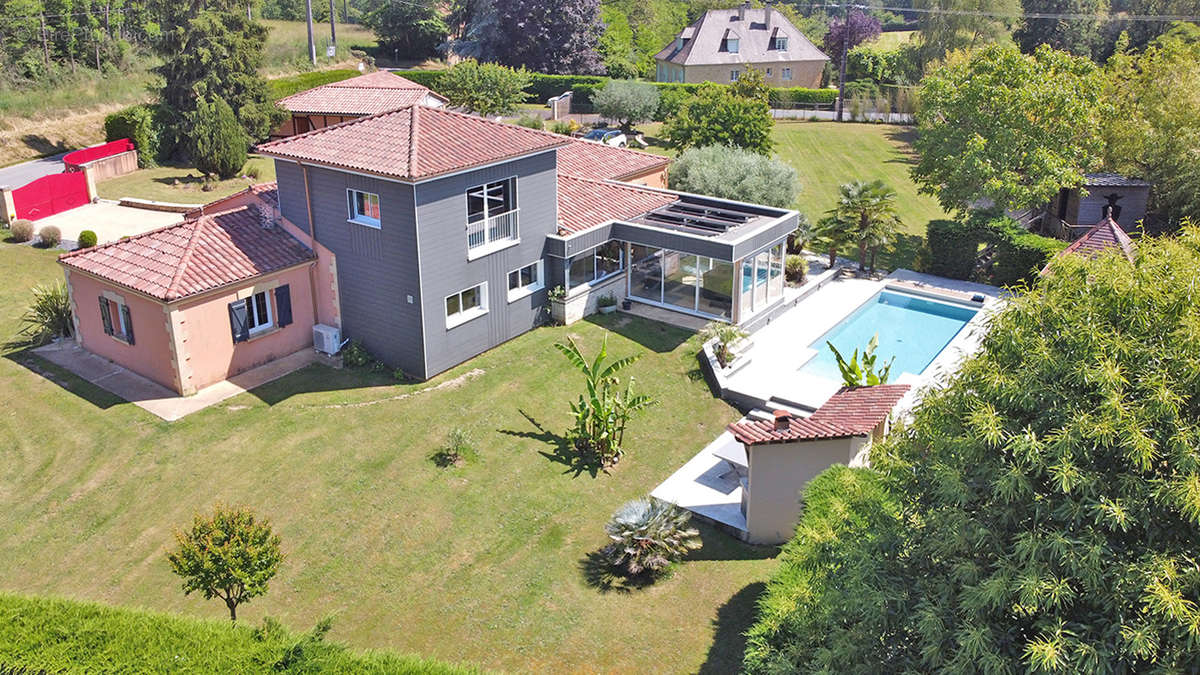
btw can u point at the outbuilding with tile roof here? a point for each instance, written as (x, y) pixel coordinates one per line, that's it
(352, 98)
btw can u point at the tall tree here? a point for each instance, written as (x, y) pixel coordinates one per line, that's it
(848, 33)
(1155, 132)
(1079, 36)
(734, 173)
(1006, 127)
(715, 115)
(947, 25)
(1039, 513)
(485, 88)
(209, 49)
(408, 30)
(549, 36)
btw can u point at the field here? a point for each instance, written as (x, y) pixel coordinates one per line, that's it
(70, 114)
(488, 563)
(894, 39)
(182, 184)
(827, 154)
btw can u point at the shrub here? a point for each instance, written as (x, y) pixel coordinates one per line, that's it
(48, 316)
(714, 115)
(626, 102)
(218, 140)
(485, 88)
(50, 236)
(796, 268)
(281, 87)
(1020, 256)
(230, 555)
(141, 124)
(564, 127)
(252, 171)
(648, 535)
(606, 300)
(734, 173)
(21, 229)
(356, 356)
(953, 247)
(459, 449)
(724, 336)
(87, 239)
(530, 121)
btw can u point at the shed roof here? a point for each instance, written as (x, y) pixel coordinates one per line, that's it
(852, 411)
(413, 143)
(362, 95)
(1103, 236)
(1112, 180)
(194, 256)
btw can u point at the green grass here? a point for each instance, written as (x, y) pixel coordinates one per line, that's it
(59, 635)
(483, 564)
(286, 50)
(182, 184)
(894, 39)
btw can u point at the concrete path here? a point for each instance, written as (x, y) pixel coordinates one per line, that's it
(155, 398)
(19, 174)
(109, 220)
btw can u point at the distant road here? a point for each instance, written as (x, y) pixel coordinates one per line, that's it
(19, 174)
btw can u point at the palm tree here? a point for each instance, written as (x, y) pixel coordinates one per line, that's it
(834, 233)
(872, 208)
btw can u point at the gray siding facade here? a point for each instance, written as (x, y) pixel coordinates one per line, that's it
(441, 207)
(377, 269)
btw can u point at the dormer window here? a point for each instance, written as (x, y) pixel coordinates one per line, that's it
(729, 44)
(779, 42)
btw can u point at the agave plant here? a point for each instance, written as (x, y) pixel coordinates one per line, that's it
(856, 374)
(604, 408)
(726, 335)
(49, 316)
(647, 535)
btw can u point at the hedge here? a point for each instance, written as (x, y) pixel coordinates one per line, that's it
(54, 635)
(1019, 254)
(286, 86)
(141, 124)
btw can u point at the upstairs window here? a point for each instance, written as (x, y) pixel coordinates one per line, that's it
(729, 44)
(779, 42)
(364, 208)
(492, 213)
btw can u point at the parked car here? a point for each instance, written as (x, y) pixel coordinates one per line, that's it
(613, 137)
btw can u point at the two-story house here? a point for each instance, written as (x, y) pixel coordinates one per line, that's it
(723, 43)
(427, 235)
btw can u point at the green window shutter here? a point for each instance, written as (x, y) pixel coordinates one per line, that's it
(127, 323)
(283, 305)
(239, 321)
(105, 316)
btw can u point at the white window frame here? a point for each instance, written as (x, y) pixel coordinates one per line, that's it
(362, 219)
(523, 291)
(256, 326)
(732, 45)
(462, 316)
(734, 75)
(779, 43)
(787, 73)
(492, 245)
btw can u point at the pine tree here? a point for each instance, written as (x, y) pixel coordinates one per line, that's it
(218, 140)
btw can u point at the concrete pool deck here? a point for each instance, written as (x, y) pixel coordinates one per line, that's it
(772, 377)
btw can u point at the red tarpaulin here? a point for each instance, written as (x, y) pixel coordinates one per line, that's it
(51, 194)
(74, 159)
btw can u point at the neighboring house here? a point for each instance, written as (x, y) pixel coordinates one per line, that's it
(1108, 194)
(356, 97)
(783, 455)
(1104, 236)
(427, 235)
(192, 304)
(723, 43)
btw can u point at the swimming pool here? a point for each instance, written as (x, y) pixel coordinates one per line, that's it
(912, 329)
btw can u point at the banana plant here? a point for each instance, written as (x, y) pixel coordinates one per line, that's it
(856, 374)
(604, 409)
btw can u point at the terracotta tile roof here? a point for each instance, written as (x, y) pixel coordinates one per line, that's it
(852, 411)
(413, 143)
(1104, 236)
(363, 95)
(267, 192)
(584, 203)
(193, 256)
(589, 159)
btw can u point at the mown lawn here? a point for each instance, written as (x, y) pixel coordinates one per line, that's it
(828, 154)
(182, 184)
(483, 564)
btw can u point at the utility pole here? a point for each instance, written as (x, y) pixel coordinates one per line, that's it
(332, 24)
(842, 64)
(312, 46)
(45, 46)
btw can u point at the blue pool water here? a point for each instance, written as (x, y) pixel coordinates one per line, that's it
(914, 330)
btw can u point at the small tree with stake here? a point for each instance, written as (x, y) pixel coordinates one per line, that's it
(605, 407)
(230, 555)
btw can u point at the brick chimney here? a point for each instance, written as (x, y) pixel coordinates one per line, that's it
(783, 420)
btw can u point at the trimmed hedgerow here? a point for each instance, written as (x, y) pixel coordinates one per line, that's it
(952, 249)
(292, 84)
(1019, 254)
(141, 124)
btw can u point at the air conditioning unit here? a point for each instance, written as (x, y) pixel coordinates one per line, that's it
(327, 339)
